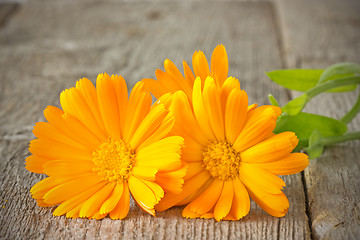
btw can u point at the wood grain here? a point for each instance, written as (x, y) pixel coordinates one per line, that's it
(316, 37)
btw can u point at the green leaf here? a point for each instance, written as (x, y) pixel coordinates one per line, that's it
(340, 70)
(296, 79)
(295, 106)
(316, 146)
(272, 100)
(304, 124)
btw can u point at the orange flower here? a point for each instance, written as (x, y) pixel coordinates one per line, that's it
(172, 80)
(103, 146)
(231, 151)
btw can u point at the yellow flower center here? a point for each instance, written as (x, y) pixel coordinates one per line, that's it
(113, 160)
(221, 160)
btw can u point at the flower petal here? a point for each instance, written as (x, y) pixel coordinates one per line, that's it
(142, 194)
(219, 64)
(108, 105)
(184, 118)
(211, 101)
(200, 65)
(259, 124)
(255, 177)
(71, 188)
(241, 203)
(235, 114)
(122, 207)
(199, 110)
(75, 201)
(189, 188)
(223, 205)
(294, 163)
(138, 107)
(67, 167)
(271, 149)
(113, 199)
(151, 121)
(174, 72)
(207, 200)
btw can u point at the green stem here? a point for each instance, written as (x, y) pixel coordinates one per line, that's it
(332, 84)
(303, 143)
(338, 139)
(352, 113)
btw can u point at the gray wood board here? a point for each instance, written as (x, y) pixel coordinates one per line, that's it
(316, 37)
(48, 45)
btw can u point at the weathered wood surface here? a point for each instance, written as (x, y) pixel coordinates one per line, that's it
(318, 36)
(48, 45)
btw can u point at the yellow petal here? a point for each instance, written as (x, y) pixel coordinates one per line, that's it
(184, 118)
(199, 110)
(274, 204)
(219, 64)
(194, 168)
(113, 199)
(271, 149)
(160, 132)
(207, 200)
(94, 203)
(187, 213)
(108, 105)
(166, 80)
(190, 187)
(122, 207)
(163, 154)
(189, 76)
(155, 188)
(142, 194)
(259, 124)
(255, 177)
(192, 151)
(211, 100)
(88, 91)
(74, 104)
(138, 107)
(174, 72)
(172, 181)
(229, 85)
(71, 188)
(241, 202)
(41, 188)
(200, 65)
(77, 200)
(223, 205)
(294, 163)
(235, 114)
(148, 125)
(55, 150)
(36, 164)
(146, 173)
(155, 87)
(121, 93)
(59, 168)
(44, 130)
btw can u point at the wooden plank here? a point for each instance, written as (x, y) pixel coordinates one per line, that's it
(51, 44)
(6, 11)
(317, 34)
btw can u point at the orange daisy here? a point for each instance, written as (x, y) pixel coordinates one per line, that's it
(171, 80)
(103, 146)
(231, 151)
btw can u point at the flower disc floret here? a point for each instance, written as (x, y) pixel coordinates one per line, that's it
(221, 160)
(113, 160)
